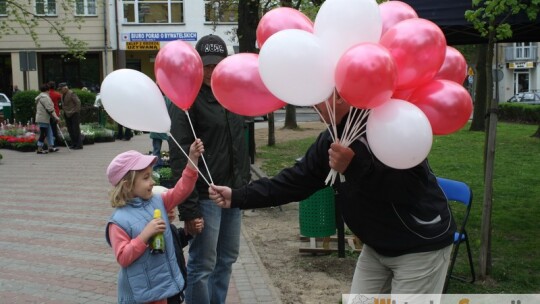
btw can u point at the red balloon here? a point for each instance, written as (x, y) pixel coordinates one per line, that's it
(403, 94)
(238, 87)
(447, 105)
(418, 47)
(281, 18)
(366, 75)
(454, 67)
(393, 12)
(179, 73)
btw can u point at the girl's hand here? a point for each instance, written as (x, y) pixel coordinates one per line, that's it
(152, 228)
(195, 151)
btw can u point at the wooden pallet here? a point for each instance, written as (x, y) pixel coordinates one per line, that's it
(322, 245)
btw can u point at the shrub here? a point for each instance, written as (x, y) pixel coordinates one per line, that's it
(89, 113)
(24, 106)
(522, 113)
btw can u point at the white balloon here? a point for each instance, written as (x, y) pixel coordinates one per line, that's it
(134, 100)
(399, 134)
(293, 66)
(341, 24)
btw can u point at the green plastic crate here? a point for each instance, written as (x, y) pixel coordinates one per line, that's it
(317, 214)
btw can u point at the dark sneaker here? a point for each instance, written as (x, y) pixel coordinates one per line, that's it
(41, 151)
(53, 150)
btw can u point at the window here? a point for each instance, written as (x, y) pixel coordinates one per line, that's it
(85, 7)
(46, 7)
(3, 8)
(154, 11)
(523, 50)
(221, 11)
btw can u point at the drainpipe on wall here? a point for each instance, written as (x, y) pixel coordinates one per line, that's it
(120, 54)
(105, 40)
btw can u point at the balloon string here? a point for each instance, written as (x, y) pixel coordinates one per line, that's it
(324, 121)
(202, 156)
(189, 159)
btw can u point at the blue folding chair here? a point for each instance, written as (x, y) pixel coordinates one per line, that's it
(460, 192)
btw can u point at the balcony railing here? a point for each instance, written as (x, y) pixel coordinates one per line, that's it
(521, 53)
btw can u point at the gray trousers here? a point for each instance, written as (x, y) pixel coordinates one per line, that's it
(410, 274)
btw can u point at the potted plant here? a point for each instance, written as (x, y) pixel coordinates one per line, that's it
(165, 177)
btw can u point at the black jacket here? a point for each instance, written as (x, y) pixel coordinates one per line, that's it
(180, 240)
(394, 211)
(225, 144)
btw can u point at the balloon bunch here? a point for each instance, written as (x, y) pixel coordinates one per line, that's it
(383, 60)
(134, 100)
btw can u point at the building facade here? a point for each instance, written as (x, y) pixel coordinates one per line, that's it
(119, 34)
(516, 69)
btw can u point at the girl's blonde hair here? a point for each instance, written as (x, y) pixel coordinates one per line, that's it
(122, 192)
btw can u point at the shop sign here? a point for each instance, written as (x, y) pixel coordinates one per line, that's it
(142, 45)
(185, 36)
(521, 65)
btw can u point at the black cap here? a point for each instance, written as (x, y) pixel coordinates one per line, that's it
(62, 84)
(212, 49)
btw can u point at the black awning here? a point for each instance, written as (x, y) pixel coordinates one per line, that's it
(449, 15)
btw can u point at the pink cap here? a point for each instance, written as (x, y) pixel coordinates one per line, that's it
(127, 161)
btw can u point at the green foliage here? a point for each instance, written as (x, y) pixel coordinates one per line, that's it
(24, 106)
(165, 172)
(515, 205)
(89, 113)
(523, 113)
(490, 16)
(21, 17)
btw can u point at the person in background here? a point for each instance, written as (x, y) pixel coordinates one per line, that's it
(213, 251)
(44, 114)
(123, 133)
(15, 90)
(71, 105)
(401, 216)
(145, 276)
(55, 97)
(157, 142)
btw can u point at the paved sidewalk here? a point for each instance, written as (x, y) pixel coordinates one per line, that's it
(52, 245)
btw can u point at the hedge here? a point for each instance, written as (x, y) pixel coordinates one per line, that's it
(521, 113)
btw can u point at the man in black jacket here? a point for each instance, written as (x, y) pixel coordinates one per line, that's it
(401, 216)
(212, 251)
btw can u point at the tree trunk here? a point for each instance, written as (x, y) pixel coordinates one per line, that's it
(248, 19)
(290, 110)
(271, 130)
(485, 232)
(537, 133)
(290, 117)
(480, 101)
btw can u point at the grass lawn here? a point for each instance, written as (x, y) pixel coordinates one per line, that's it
(516, 200)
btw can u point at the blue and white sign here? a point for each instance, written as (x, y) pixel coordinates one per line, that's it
(185, 36)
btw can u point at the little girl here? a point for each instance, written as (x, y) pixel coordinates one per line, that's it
(145, 277)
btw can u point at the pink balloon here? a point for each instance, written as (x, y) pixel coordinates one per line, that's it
(366, 75)
(454, 67)
(179, 73)
(281, 18)
(238, 87)
(393, 12)
(447, 105)
(418, 47)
